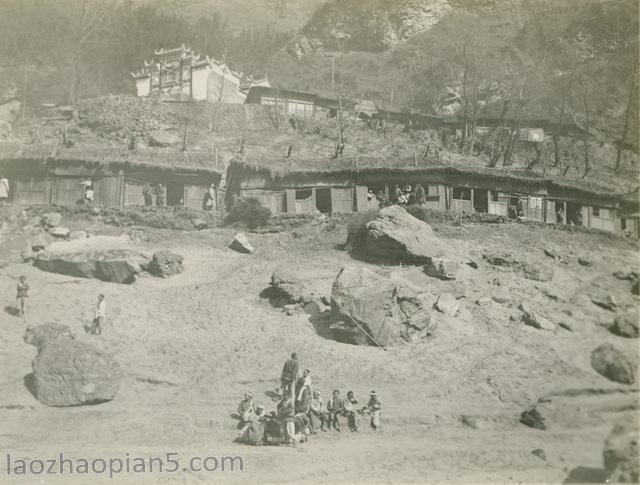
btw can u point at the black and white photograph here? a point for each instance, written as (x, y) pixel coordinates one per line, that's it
(319, 241)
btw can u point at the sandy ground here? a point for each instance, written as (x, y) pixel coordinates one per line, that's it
(192, 344)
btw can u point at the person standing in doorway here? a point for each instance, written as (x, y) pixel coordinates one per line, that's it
(89, 194)
(159, 190)
(4, 190)
(99, 315)
(147, 193)
(23, 294)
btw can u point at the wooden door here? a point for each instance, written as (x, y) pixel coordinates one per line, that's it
(342, 199)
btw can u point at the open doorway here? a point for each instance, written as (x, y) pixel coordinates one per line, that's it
(480, 200)
(175, 193)
(323, 200)
(574, 214)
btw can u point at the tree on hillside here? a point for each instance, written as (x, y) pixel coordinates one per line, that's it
(81, 20)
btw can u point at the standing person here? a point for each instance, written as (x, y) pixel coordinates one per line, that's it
(289, 374)
(147, 193)
(159, 190)
(99, 315)
(420, 194)
(4, 189)
(303, 389)
(350, 411)
(316, 412)
(286, 415)
(210, 198)
(335, 408)
(89, 193)
(22, 295)
(373, 408)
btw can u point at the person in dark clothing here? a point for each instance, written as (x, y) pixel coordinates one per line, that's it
(147, 193)
(22, 295)
(419, 194)
(289, 374)
(335, 409)
(159, 190)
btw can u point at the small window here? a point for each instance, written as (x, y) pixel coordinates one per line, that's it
(432, 190)
(304, 194)
(596, 212)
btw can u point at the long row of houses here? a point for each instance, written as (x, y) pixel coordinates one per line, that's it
(324, 186)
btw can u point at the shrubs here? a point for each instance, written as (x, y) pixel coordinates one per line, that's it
(443, 217)
(247, 211)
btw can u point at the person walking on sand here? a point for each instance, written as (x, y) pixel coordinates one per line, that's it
(99, 315)
(23, 294)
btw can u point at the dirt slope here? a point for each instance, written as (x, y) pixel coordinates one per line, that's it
(192, 344)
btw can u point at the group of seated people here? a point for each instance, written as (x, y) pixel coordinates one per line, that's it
(304, 414)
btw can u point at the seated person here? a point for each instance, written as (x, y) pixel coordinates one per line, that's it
(350, 411)
(254, 432)
(246, 410)
(316, 413)
(373, 408)
(286, 415)
(272, 429)
(335, 408)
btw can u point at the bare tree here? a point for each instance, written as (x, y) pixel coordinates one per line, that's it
(81, 20)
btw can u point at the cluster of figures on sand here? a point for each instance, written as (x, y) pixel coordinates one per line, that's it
(300, 412)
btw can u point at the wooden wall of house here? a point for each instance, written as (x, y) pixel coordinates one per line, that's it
(31, 191)
(274, 200)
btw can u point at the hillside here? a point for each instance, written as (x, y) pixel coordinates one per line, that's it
(283, 15)
(191, 345)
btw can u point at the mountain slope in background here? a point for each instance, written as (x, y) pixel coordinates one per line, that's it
(283, 15)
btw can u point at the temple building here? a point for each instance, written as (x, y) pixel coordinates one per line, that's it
(181, 73)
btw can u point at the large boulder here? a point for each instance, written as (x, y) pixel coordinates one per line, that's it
(164, 139)
(51, 219)
(621, 452)
(115, 265)
(395, 234)
(613, 364)
(42, 335)
(442, 268)
(165, 263)
(71, 373)
(241, 244)
(300, 285)
(386, 311)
